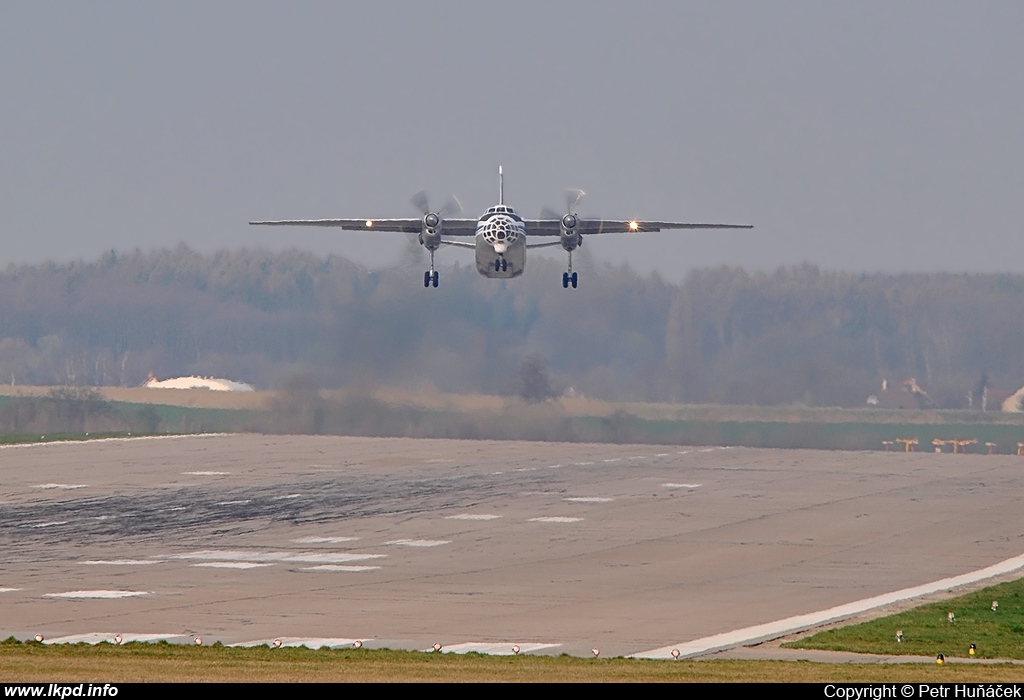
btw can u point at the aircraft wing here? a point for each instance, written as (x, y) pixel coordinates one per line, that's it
(587, 227)
(450, 227)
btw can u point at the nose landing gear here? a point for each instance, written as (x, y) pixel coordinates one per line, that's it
(430, 277)
(501, 265)
(569, 277)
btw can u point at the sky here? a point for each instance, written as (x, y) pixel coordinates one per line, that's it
(868, 136)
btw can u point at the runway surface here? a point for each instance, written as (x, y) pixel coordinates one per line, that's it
(476, 545)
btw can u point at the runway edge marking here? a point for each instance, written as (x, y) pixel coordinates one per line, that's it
(125, 438)
(797, 623)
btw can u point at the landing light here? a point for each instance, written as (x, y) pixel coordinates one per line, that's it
(369, 223)
(634, 226)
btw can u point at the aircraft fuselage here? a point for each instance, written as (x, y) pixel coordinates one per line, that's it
(500, 243)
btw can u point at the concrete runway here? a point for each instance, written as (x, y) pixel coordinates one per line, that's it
(474, 544)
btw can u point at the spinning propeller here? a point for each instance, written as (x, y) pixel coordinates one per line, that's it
(432, 218)
(572, 200)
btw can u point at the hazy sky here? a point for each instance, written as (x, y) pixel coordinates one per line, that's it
(860, 135)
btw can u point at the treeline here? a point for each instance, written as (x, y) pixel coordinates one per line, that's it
(798, 335)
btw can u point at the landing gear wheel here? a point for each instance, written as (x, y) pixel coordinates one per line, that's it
(574, 279)
(565, 280)
(504, 265)
(434, 277)
(497, 265)
(426, 278)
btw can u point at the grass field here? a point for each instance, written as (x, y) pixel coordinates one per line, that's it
(578, 406)
(927, 630)
(431, 414)
(191, 398)
(105, 663)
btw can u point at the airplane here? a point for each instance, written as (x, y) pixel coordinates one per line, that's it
(501, 234)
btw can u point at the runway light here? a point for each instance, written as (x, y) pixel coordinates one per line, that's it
(199, 641)
(899, 636)
(117, 639)
(437, 647)
(940, 659)
(675, 653)
(972, 650)
(995, 606)
(597, 652)
(358, 644)
(951, 617)
(515, 649)
(39, 638)
(277, 643)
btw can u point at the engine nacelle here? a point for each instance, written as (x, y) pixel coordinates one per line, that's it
(430, 236)
(571, 237)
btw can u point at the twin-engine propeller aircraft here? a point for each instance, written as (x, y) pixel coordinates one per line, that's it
(500, 233)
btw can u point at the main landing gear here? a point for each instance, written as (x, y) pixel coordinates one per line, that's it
(430, 276)
(501, 265)
(569, 277)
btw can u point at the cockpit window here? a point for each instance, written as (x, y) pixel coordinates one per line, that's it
(509, 211)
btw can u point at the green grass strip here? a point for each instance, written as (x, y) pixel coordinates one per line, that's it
(927, 630)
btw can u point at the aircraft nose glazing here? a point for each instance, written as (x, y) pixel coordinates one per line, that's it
(500, 232)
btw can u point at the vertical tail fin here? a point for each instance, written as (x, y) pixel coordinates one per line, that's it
(501, 185)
